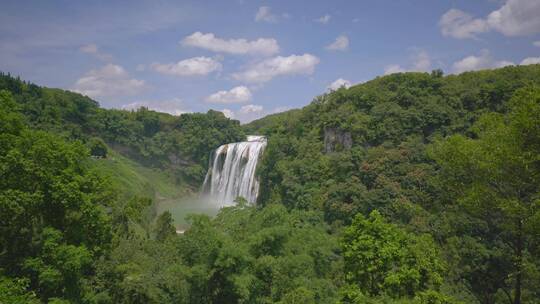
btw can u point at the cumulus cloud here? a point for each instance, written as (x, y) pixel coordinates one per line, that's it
(173, 106)
(324, 19)
(421, 62)
(458, 24)
(196, 66)
(228, 113)
(246, 113)
(339, 83)
(530, 60)
(516, 18)
(340, 44)
(251, 112)
(264, 13)
(483, 61)
(251, 108)
(110, 80)
(93, 50)
(502, 63)
(513, 18)
(393, 68)
(269, 68)
(208, 41)
(238, 94)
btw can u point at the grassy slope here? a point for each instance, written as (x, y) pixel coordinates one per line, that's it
(135, 179)
(132, 178)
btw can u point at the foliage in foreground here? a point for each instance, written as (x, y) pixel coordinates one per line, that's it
(476, 194)
(52, 209)
(436, 202)
(495, 178)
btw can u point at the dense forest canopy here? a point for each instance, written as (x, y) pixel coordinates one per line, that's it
(409, 188)
(180, 144)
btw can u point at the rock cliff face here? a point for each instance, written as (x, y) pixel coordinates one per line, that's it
(336, 140)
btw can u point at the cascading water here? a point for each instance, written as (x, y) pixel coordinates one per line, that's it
(232, 171)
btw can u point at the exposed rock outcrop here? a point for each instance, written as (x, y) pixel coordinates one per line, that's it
(336, 140)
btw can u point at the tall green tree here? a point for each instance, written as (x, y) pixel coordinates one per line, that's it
(495, 177)
(380, 258)
(52, 208)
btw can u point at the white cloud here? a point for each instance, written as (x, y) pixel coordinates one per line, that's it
(251, 112)
(516, 18)
(89, 48)
(93, 50)
(140, 67)
(502, 63)
(246, 113)
(537, 43)
(261, 46)
(110, 80)
(196, 66)
(513, 18)
(250, 108)
(483, 61)
(393, 68)
(269, 68)
(458, 24)
(238, 94)
(338, 83)
(173, 106)
(530, 60)
(324, 19)
(264, 13)
(228, 113)
(341, 44)
(422, 62)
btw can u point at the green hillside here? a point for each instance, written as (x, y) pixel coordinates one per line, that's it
(177, 144)
(138, 180)
(413, 188)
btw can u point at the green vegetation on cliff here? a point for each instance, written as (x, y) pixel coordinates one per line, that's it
(410, 188)
(178, 144)
(365, 149)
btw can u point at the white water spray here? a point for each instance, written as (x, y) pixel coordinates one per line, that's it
(232, 171)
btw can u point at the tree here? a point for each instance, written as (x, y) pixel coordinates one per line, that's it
(59, 268)
(52, 208)
(495, 177)
(382, 259)
(97, 147)
(164, 226)
(15, 291)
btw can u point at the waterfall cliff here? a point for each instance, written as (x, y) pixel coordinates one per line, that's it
(231, 172)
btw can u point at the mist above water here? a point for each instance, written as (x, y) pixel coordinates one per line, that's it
(231, 174)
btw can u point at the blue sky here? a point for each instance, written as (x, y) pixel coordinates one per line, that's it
(252, 58)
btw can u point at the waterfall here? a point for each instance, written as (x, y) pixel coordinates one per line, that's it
(231, 172)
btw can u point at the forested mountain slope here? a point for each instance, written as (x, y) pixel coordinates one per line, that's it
(377, 131)
(179, 146)
(377, 147)
(410, 188)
